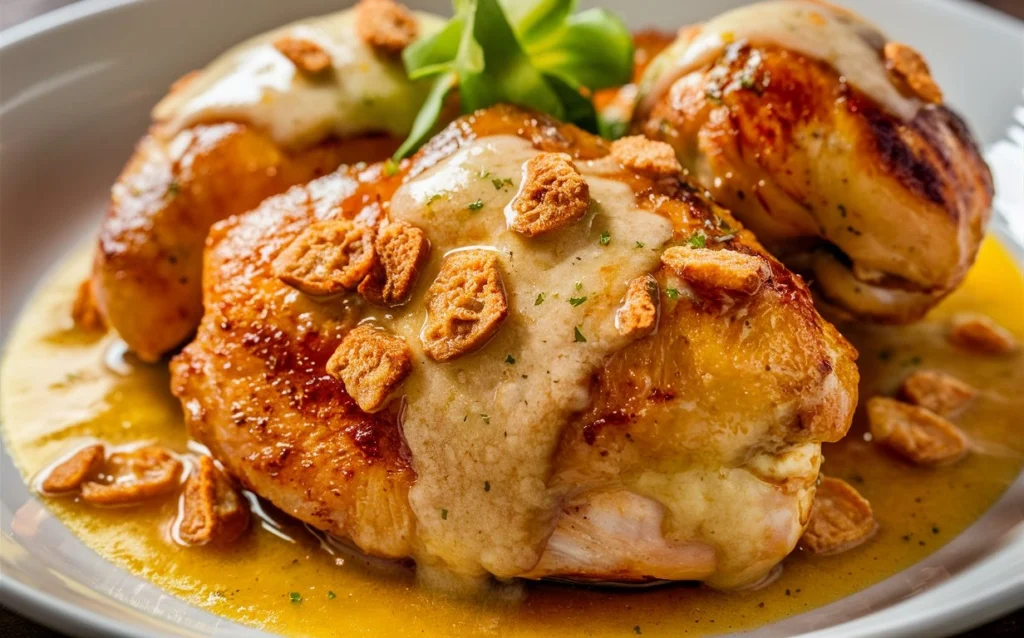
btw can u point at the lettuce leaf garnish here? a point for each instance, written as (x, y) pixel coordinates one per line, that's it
(539, 54)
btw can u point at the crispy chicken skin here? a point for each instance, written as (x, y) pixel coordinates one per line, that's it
(148, 265)
(696, 459)
(884, 214)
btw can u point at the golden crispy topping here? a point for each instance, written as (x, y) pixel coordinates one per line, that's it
(553, 195)
(402, 251)
(371, 363)
(980, 334)
(841, 519)
(307, 56)
(941, 393)
(465, 305)
(637, 153)
(915, 433)
(909, 68)
(84, 465)
(212, 510)
(84, 311)
(717, 269)
(130, 477)
(386, 25)
(327, 258)
(638, 315)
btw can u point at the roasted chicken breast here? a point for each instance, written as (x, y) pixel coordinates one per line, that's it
(832, 144)
(281, 109)
(575, 365)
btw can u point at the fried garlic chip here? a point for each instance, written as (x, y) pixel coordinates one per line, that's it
(213, 510)
(642, 155)
(372, 364)
(638, 316)
(915, 433)
(980, 334)
(465, 305)
(80, 467)
(133, 477)
(723, 269)
(327, 258)
(402, 252)
(840, 520)
(553, 196)
(941, 393)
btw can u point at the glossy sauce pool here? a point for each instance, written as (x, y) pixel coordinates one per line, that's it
(62, 387)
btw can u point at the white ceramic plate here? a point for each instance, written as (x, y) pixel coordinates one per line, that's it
(75, 91)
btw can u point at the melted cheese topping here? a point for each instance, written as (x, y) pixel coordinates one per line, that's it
(364, 92)
(483, 428)
(814, 29)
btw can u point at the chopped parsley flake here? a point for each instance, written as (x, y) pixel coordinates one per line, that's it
(390, 167)
(486, 418)
(173, 189)
(444, 515)
(698, 240)
(640, 244)
(477, 205)
(578, 285)
(606, 238)
(484, 173)
(330, 595)
(540, 299)
(672, 293)
(433, 198)
(501, 183)
(578, 336)
(636, 630)
(575, 301)
(510, 359)
(295, 597)
(487, 486)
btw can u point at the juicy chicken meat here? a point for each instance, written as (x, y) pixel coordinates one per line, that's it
(686, 453)
(876, 191)
(148, 266)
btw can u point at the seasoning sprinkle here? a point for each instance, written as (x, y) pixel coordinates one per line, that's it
(606, 238)
(540, 298)
(510, 359)
(578, 336)
(576, 301)
(330, 595)
(487, 486)
(477, 205)
(444, 514)
(640, 244)
(672, 293)
(295, 596)
(698, 240)
(486, 418)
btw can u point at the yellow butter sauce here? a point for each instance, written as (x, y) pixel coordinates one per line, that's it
(58, 390)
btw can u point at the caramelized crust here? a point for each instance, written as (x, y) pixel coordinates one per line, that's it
(132, 477)
(841, 519)
(553, 196)
(718, 269)
(83, 466)
(916, 434)
(402, 252)
(307, 56)
(941, 393)
(371, 363)
(910, 70)
(981, 335)
(637, 153)
(885, 216)
(465, 305)
(385, 24)
(327, 258)
(213, 510)
(638, 316)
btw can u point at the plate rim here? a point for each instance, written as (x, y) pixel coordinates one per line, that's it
(969, 611)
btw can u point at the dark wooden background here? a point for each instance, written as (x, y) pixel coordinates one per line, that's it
(14, 11)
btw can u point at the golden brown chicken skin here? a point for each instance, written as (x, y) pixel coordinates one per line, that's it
(148, 265)
(884, 211)
(680, 441)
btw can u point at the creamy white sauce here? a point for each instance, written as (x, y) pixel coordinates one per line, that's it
(483, 429)
(364, 91)
(830, 34)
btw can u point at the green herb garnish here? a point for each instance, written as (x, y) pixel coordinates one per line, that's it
(487, 486)
(540, 298)
(501, 183)
(444, 514)
(509, 359)
(672, 293)
(477, 205)
(330, 595)
(578, 336)
(295, 597)
(486, 418)
(534, 53)
(640, 244)
(390, 167)
(698, 240)
(578, 285)
(575, 301)
(173, 189)
(606, 238)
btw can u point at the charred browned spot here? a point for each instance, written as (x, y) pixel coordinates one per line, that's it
(909, 168)
(592, 429)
